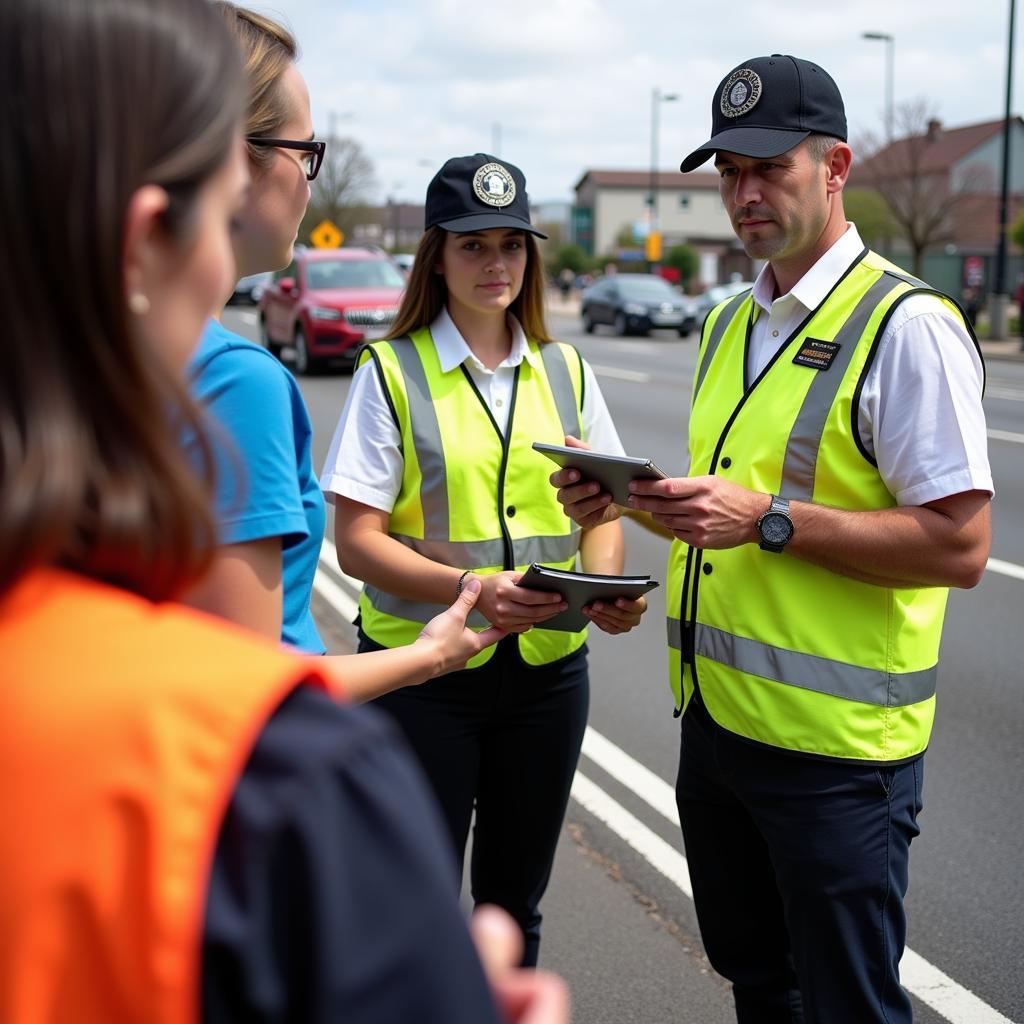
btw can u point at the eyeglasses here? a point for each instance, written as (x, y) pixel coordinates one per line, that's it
(314, 151)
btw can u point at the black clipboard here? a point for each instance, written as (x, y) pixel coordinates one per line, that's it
(612, 472)
(579, 589)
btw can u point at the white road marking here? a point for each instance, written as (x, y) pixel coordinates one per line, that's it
(619, 374)
(950, 1000)
(1006, 568)
(1006, 435)
(247, 317)
(1010, 394)
(924, 980)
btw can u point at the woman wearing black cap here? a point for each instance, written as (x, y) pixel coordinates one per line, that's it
(435, 482)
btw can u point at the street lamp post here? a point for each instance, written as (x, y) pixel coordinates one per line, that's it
(999, 298)
(652, 199)
(890, 61)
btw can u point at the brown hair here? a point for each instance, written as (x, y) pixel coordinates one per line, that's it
(426, 293)
(268, 49)
(100, 97)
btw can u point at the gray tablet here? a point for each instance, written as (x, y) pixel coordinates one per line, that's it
(612, 472)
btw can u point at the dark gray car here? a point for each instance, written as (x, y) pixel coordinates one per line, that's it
(636, 304)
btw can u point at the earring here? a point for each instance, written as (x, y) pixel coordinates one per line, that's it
(138, 303)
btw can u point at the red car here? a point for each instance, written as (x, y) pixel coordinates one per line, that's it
(328, 302)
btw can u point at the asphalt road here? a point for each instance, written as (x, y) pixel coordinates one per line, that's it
(619, 924)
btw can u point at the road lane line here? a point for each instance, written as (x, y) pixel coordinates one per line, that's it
(334, 595)
(1006, 435)
(619, 374)
(950, 1000)
(663, 856)
(1008, 394)
(1006, 568)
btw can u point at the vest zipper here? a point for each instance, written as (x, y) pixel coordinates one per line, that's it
(505, 535)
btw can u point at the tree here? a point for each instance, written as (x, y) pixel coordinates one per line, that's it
(918, 187)
(870, 212)
(571, 256)
(686, 260)
(342, 188)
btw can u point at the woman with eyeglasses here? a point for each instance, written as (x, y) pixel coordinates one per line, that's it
(270, 508)
(193, 830)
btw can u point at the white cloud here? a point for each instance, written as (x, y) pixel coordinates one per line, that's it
(569, 81)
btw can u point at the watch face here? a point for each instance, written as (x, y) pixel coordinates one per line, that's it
(776, 528)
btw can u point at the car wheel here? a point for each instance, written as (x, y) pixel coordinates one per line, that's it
(684, 332)
(304, 363)
(271, 346)
(620, 324)
(588, 323)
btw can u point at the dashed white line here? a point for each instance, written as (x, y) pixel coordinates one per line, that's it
(949, 999)
(620, 374)
(1006, 435)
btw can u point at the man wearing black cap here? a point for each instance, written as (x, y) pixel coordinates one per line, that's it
(839, 483)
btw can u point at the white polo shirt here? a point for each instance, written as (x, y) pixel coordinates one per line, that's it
(364, 462)
(920, 411)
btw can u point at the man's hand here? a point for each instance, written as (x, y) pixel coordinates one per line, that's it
(583, 500)
(523, 995)
(706, 512)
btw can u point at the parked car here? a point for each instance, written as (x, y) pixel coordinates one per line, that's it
(717, 293)
(249, 290)
(328, 302)
(404, 260)
(634, 304)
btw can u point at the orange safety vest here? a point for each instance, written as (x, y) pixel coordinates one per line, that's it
(124, 728)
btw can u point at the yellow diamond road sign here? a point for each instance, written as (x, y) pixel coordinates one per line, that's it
(327, 235)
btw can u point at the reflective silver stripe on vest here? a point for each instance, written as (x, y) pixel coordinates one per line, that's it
(715, 337)
(805, 438)
(479, 554)
(426, 438)
(810, 671)
(561, 388)
(414, 611)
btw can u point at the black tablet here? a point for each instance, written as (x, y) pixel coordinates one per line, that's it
(612, 472)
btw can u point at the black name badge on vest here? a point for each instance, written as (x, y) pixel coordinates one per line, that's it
(816, 354)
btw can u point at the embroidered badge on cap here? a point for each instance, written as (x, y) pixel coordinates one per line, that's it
(494, 186)
(816, 354)
(740, 93)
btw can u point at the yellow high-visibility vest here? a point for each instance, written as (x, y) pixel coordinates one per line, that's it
(471, 497)
(784, 652)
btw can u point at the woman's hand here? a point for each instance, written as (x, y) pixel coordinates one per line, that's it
(583, 500)
(514, 609)
(524, 995)
(619, 617)
(455, 643)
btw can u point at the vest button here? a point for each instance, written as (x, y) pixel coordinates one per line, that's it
(726, 462)
(707, 569)
(511, 510)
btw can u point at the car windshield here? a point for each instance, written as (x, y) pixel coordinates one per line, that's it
(645, 288)
(323, 274)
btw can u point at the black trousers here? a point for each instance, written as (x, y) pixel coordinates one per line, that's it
(799, 869)
(503, 738)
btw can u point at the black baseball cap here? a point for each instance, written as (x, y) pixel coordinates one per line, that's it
(474, 193)
(767, 105)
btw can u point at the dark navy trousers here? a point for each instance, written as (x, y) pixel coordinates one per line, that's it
(799, 871)
(503, 739)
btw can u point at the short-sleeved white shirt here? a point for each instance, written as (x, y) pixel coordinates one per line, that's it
(920, 411)
(364, 462)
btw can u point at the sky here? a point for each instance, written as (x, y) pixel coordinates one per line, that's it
(560, 86)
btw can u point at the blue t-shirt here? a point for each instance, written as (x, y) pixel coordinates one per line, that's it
(266, 486)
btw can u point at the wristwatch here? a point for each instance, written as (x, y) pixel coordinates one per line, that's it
(776, 526)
